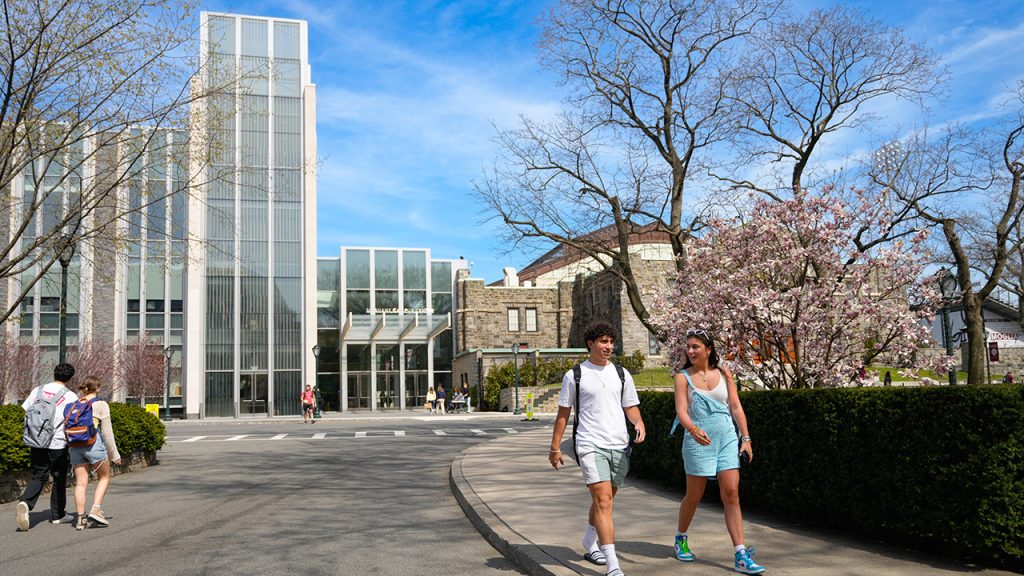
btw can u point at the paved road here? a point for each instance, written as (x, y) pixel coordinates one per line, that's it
(238, 502)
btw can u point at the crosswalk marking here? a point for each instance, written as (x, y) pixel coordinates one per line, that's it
(239, 437)
(320, 435)
(194, 439)
(440, 432)
(511, 430)
(360, 434)
(340, 435)
(278, 437)
(399, 432)
(478, 432)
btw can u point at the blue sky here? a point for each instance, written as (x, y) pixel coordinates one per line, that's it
(409, 94)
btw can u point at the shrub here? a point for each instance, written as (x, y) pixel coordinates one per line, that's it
(941, 469)
(13, 454)
(135, 430)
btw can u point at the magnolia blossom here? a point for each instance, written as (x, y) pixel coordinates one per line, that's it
(793, 303)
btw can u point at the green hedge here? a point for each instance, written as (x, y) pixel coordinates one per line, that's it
(134, 430)
(940, 469)
(546, 371)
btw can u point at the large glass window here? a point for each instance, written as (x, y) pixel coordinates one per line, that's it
(328, 280)
(357, 269)
(386, 300)
(357, 301)
(415, 299)
(440, 276)
(442, 303)
(414, 270)
(513, 320)
(385, 269)
(358, 357)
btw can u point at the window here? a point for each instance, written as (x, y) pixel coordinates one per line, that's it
(513, 320)
(653, 346)
(531, 319)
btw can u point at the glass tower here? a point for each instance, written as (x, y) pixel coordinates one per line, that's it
(251, 302)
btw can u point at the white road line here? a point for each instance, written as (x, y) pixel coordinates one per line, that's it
(440, 432)
(478, 432)
(511, 430)
(194, 439)
(360, 434)
(320, 435)
(239, 437)
(278, 437)
(399, 432)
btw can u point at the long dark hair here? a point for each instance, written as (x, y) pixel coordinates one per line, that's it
(705, 337)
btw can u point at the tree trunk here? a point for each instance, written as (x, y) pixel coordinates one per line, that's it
(973, 318)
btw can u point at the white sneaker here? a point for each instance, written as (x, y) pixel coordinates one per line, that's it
(23, 516)
(67, 519)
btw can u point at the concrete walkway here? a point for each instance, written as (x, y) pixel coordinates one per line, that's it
(535, 516)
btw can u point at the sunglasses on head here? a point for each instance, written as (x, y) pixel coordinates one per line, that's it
(698, 332)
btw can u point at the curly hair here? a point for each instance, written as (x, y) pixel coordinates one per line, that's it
(598, 330)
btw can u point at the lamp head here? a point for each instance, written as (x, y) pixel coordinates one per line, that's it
(168, 351)
(316, 351)
(64, 247)
(515, 348)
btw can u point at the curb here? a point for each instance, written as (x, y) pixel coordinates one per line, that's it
(525, 554)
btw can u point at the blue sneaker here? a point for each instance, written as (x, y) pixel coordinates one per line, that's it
(683, 553)
(745, 564)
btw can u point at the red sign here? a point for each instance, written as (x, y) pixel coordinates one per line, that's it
(993, 352)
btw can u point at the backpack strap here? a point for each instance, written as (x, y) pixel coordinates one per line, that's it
(577, 374)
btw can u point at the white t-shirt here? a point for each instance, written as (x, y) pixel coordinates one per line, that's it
(49, 391)
(602, 399)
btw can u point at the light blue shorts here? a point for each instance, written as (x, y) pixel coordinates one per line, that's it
(89, 454)
(603, 465)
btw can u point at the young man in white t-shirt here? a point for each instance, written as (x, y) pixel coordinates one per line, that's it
(51, 461)
(602, 439)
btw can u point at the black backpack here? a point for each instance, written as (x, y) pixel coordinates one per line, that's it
(577, 373)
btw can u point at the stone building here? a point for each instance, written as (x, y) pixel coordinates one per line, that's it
(546, 307)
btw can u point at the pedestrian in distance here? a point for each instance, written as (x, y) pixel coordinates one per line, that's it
(1008, 377)
(44, 434)
(604, 397)
(431, 399)
(708, 407)
(439, 402)
(96, 455)
(888, 379)
(308, 404)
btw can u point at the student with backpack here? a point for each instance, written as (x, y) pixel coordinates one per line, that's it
(44, 435)
(91, 441)
(603, 397)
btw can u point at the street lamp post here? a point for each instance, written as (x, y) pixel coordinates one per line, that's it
(168, 352)
(947, 285)
(515, 364)
(65, 250)
(316, 376)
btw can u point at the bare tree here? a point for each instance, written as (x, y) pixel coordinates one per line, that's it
(973, 198)
(807, 78)
(96, 100)
(97, 357)
(648, 101)
(20, 368)
(142, 368)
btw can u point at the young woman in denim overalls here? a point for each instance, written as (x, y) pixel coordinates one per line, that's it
(709, 409)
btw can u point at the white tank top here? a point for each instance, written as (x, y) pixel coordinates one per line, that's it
(719, 393)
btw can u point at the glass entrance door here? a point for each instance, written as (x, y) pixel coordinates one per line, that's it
(252, 394)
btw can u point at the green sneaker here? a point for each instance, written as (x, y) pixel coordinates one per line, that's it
(683, 553)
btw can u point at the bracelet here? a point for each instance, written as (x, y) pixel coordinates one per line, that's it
(744, 438)
(690, 431)
(554, 451)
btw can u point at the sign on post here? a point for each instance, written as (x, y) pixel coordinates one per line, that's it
(993, 351)
(153, 409)
(529, 405)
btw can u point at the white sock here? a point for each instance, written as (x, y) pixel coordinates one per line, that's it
(740, 548)
(681, 534)
(590, 539)
(612, 559)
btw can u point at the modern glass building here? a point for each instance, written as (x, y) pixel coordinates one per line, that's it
(250, 295)
(384, 323)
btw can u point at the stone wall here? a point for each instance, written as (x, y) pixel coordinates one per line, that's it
(481, 315)
(13, 484)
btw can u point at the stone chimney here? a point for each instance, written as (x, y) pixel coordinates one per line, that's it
(511, 278)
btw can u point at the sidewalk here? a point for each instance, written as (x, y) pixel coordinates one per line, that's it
(363, 416)
(535, 516)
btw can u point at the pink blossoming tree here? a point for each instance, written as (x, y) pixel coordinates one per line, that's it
(793, 303)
